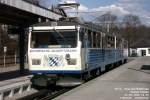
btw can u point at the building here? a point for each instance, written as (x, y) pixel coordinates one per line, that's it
(8, 40)
(141, 48)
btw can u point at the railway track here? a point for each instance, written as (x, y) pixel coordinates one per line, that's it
(48, 93)
(45, 94)
(54, 94)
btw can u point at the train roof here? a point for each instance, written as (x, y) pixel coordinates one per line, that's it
(87, 25)
(59, 23)
(74, 22)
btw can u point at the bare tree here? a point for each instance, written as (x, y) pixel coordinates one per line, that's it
(131, 25)
(108, 22)
(131, 20)
(130, 29)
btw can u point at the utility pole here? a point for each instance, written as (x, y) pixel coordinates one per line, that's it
(108, 22)
(0, 38)
(108, 26)
(22, 49)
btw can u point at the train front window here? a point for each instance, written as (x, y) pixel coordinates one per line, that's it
(54, 39)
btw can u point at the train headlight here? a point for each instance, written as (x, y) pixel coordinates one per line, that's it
(36, 61)
(72, 62)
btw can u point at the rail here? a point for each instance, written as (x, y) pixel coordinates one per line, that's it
(46, 94)
(55, 94)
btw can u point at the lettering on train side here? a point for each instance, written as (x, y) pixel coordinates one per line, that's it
(64, 50)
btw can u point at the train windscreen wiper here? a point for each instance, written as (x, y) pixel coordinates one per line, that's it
(59, 33)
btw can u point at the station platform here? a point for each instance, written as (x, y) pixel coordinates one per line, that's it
(11, 72)
(14, 85)
(130, 81)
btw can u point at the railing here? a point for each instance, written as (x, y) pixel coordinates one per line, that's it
(8, 60)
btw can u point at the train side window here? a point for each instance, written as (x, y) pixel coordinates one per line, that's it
(104, 40)
(98, 40)
(125, 44)
(94, 40)
(107, 42)
(82, 38)
(118, 44)
(89, 39)
(111, 41)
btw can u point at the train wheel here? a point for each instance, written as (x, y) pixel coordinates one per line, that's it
(110, 66)
(93, 73)
(107, 68)
(85, 77)
(98, 72)
(125, 61)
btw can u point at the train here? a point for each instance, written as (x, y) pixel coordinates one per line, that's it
(72, 50)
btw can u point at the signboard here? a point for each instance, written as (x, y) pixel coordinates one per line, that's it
(5, 49)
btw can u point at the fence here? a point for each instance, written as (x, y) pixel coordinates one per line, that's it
(8, 60)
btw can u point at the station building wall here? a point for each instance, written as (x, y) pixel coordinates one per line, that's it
(140, 51)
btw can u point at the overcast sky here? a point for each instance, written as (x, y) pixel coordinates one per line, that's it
(140, 8)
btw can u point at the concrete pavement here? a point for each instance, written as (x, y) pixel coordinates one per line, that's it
(130, 81)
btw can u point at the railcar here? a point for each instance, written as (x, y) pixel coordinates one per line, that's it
(57, 50)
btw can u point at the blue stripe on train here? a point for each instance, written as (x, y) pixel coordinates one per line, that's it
(57, 71)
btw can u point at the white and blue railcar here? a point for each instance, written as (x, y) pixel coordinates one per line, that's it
(72, 49)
